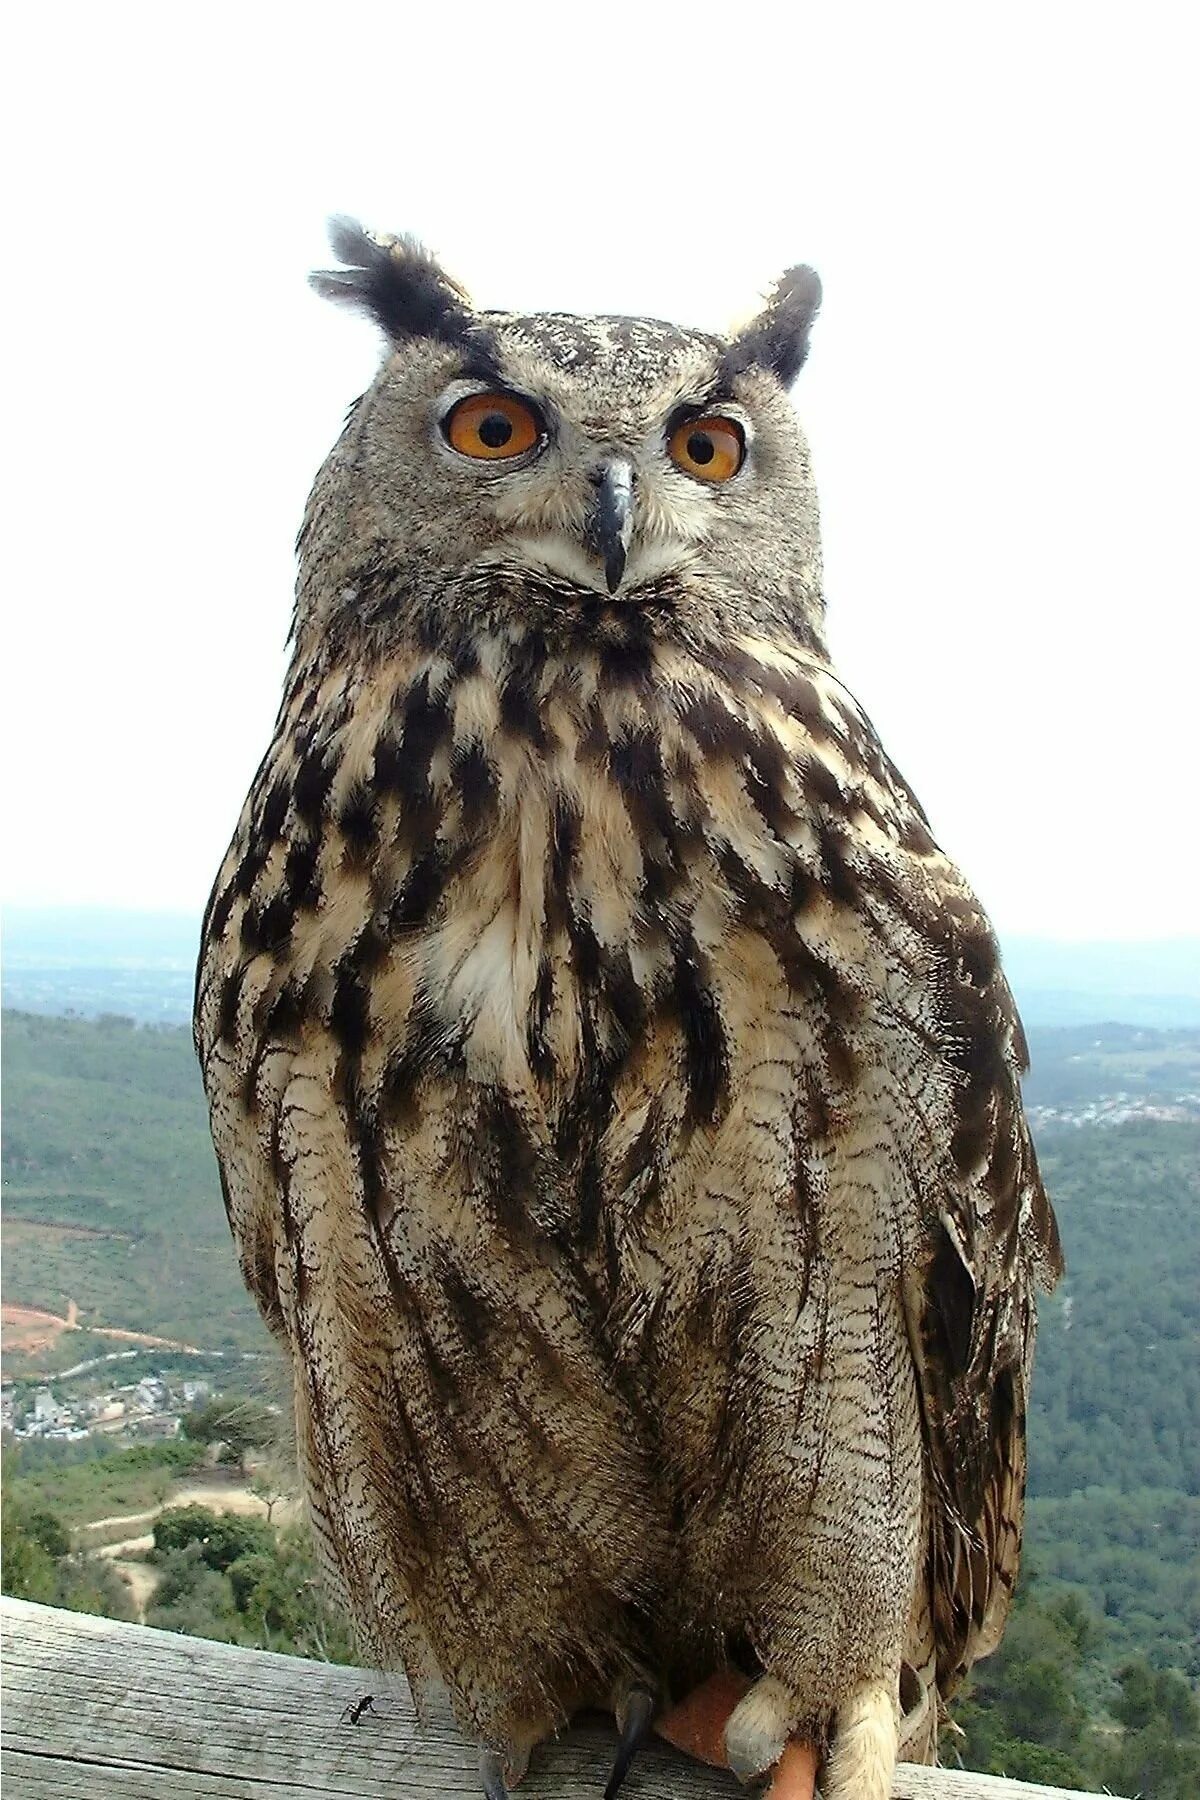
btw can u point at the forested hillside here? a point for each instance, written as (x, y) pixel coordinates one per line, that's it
(111, 1197)
(112, 1201)
(1115, 1421)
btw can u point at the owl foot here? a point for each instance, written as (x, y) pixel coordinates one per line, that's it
(634, 1714)
(728, 1721)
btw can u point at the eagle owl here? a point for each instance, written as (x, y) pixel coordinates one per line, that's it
(614, 1086)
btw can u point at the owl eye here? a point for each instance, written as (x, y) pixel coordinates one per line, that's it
(492, 426)
(711, 448)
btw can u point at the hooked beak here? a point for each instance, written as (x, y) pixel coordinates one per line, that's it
(610, 524)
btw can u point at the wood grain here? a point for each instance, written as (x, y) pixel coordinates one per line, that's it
(94, 1708)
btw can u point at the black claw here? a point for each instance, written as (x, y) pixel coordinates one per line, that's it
(491, 1773)
(639, 1710)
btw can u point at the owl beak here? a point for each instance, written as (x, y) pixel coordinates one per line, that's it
(610, 523)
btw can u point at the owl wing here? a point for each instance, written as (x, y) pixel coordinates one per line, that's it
(989, 1241)
(986, 1233)
(924, 1005)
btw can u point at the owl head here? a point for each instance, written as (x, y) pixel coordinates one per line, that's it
(565, 469)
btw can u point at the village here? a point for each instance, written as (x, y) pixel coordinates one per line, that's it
(148, 1409)
(1119, 1109)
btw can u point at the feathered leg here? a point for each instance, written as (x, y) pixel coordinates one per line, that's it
(862, 1760)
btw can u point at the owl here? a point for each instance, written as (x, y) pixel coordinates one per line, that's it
(614, 1086)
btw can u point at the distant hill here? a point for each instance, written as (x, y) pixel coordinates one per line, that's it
(111, 1197)
(95, 960)
(1148, 984)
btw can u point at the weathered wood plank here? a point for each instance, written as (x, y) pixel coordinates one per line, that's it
(94, 1708)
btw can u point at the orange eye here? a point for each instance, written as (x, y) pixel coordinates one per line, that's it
(492, 426)
(711, 449)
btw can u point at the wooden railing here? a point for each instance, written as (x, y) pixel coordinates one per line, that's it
(94, 1708)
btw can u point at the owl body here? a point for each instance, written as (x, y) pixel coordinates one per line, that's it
(615, 1088)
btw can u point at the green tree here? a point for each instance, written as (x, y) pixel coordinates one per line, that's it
(1148, 1694)
(38, 1565)
(1022, 1761)
(250, 1578)
(284, 1605)
(222, 1537)
(192, 1598)
(1159, 1753)
(49, 1531)
(1154, 1763)
(179, 1570)
(1022, 1714)
(239, 1425)
(27, 1571)
(90, 1584)
(268, 1596)
(1031, 1684)
(271, 1484)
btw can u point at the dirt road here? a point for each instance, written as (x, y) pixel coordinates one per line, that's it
(29, 1329)
(141, 1580)
(218, 1496)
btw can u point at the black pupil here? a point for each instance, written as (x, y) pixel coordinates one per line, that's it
(495, 430)
(701, 448)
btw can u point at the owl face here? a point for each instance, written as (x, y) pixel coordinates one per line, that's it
(580, 460)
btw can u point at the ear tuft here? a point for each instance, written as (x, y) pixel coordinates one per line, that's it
(399, 283)
(778, 338)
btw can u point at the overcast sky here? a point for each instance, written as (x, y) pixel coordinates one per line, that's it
(1003, 394)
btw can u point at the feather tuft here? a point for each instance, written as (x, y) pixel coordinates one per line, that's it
(777, 339)
(399, 283)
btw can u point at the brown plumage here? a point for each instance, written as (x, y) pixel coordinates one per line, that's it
(614, 1086)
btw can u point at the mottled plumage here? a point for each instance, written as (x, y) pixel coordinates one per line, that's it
(615, 1088)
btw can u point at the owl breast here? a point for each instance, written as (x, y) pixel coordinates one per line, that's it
(614, 902)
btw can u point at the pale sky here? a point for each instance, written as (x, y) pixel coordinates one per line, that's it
(1002, 397)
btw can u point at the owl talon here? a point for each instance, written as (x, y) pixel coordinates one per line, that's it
(491, 1774)
(633, 1720)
